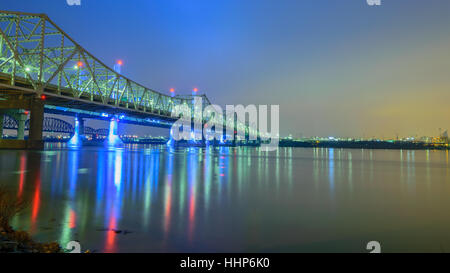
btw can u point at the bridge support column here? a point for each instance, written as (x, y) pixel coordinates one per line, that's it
(81, 127)
(113, 139)
(21, 126)
(35, 140)
(78, 136)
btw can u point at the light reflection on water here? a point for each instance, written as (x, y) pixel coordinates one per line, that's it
(160, 199)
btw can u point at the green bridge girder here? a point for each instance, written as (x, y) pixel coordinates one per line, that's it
(36, 51)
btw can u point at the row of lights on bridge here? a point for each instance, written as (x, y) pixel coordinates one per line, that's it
(117, 67)
(119, 63)
(172, 91)
(81, 64)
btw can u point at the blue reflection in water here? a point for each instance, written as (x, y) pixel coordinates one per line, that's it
(168, 194)
(147, 172)
(70, 209)
(331, 168)
(76, 140)
(73, 173)
(118, 170)
(207, 172)
(316, 159)
(192, 166)
(155, 171)
(113, 200)
(101, 178)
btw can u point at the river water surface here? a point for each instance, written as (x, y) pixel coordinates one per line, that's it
(219, 199)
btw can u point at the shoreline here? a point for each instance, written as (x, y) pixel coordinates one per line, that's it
(369, 145)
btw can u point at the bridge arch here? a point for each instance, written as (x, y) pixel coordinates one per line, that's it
(54, 125)
(102, 132)
(50, 125)
(9, 122)
(89, 130)
(94, 132)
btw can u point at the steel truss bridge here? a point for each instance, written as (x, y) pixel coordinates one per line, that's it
(38, 59)
(53, 125)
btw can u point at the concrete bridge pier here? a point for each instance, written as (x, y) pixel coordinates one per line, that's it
(21, 118)
(113, 139)
(15, 106)
(81, 127)
(78, 136)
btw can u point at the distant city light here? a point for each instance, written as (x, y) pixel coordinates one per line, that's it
(195, 90)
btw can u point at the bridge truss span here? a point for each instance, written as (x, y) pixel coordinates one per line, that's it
(39, 60)
(35, 53)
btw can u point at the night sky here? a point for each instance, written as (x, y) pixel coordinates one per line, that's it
(336, 68)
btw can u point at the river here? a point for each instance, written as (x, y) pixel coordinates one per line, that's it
(224, 199)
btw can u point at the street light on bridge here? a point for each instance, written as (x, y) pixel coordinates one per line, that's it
(118, 66)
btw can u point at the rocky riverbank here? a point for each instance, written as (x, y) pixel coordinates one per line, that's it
(21, 242)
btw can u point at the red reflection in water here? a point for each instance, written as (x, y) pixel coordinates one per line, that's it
(168, 205)
(72, 219)
(36, 203)
(23, 163)
(191, 213)
(111, 236)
